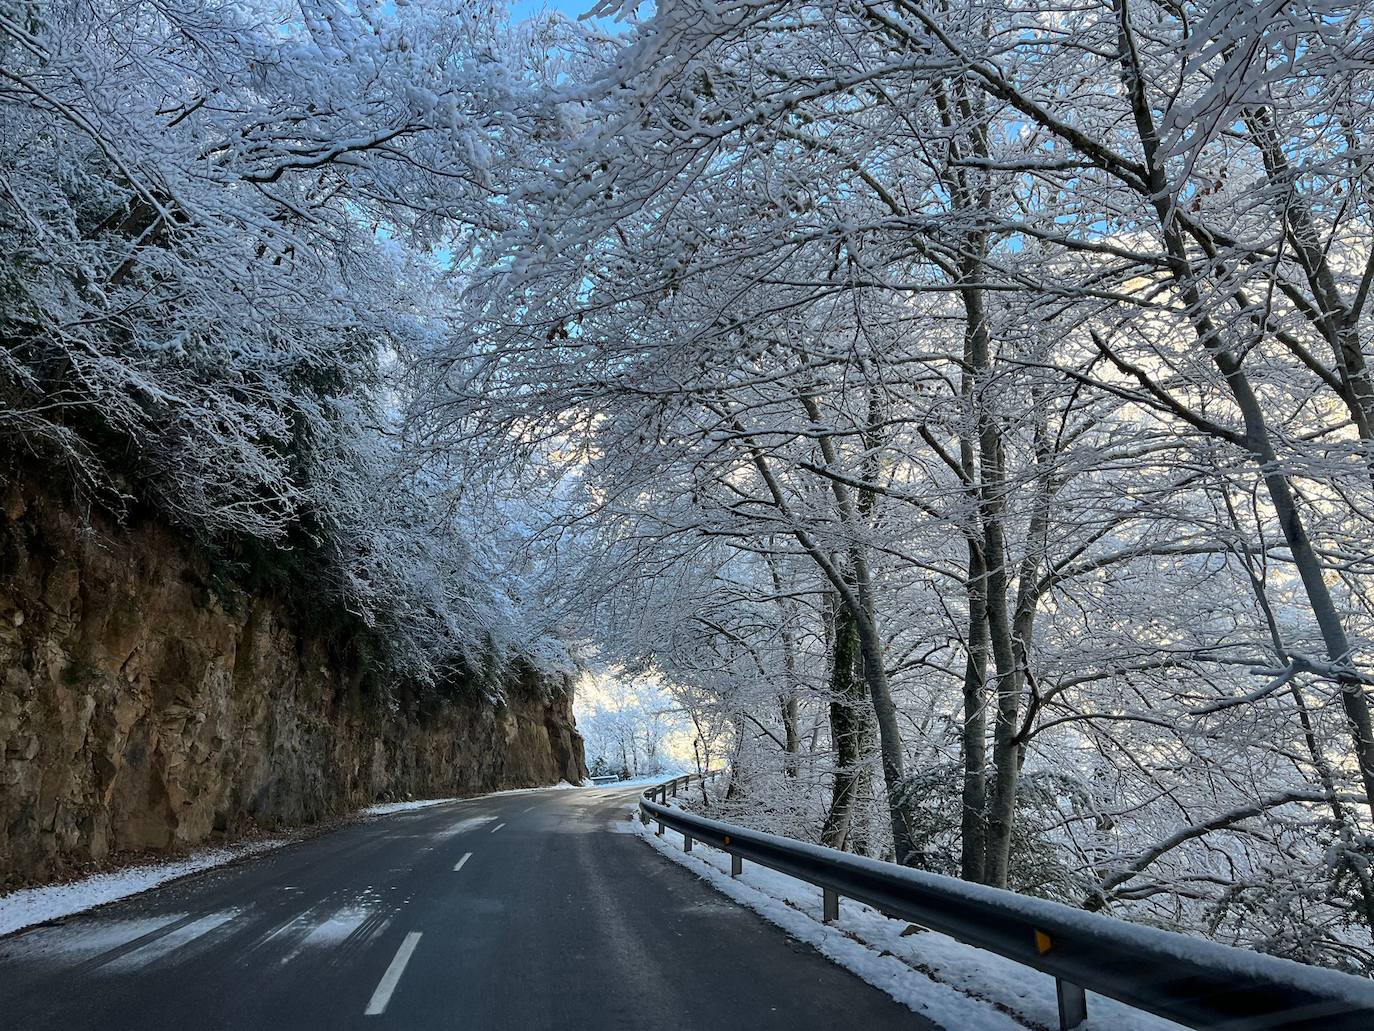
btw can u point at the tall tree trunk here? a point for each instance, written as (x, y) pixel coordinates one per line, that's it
(789, 703)
(1006, 748)
(1006, 751)
(859, 598)
(884, 712)
(973, 737)
(1028, 588)
(849, 726)
(964, 114)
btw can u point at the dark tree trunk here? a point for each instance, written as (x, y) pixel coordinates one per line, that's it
(849, 726)
(972, 824)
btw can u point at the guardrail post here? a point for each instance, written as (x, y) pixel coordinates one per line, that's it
(675, 789)
(830, 905)
(659, 832)
(736, 866)
(686, 842)
(1073, 1005)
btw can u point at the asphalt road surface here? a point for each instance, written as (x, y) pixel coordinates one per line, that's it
(525, 910)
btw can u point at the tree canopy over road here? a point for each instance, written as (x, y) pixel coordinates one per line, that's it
(963, 407)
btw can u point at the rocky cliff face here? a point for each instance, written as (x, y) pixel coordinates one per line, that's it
(138, 711)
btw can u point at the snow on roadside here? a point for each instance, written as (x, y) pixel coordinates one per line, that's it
(943, 979)
(562, 785)
(387, 808)
(635, 782)
(29, 906)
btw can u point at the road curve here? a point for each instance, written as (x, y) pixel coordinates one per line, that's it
(525, 910)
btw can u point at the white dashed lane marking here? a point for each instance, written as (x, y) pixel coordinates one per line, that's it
(389, 980)
(459, 865)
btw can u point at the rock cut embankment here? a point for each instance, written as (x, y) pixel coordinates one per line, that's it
(141, 710)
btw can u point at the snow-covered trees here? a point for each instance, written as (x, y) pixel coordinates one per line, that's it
(632, 727)
(222, 228)
(980, 388)
(966, 405)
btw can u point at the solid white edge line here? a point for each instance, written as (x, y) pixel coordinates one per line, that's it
(387, 985)
(497, 828)
(459, 865)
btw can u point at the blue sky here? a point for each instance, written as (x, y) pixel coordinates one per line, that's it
(571, 8)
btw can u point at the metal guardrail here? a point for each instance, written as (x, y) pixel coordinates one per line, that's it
(662, 790)
(1197, 983)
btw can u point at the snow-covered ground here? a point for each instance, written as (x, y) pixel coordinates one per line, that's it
(387, 808)
(562, 785)
(636, 782)
(953, 984)
(30, 906)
